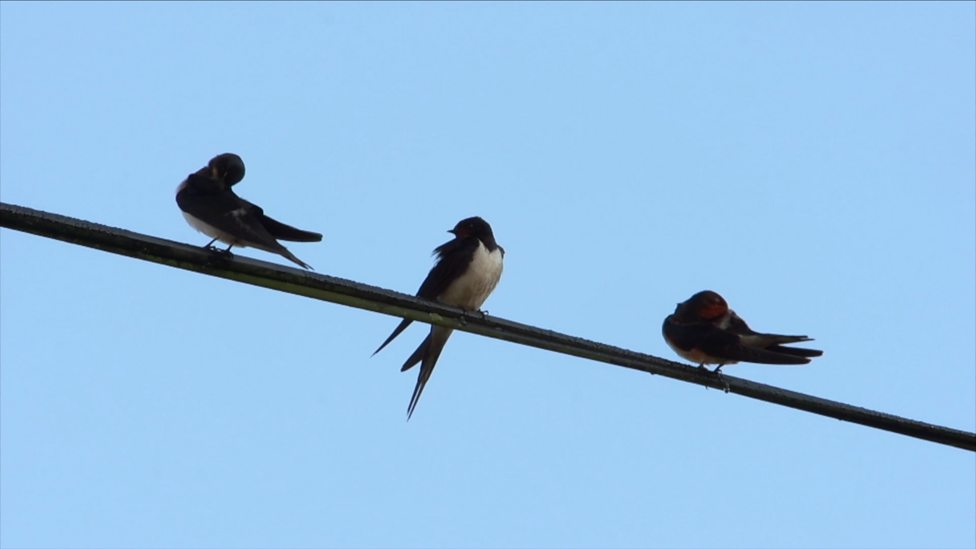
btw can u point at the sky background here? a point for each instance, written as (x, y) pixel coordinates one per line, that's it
(813, 163)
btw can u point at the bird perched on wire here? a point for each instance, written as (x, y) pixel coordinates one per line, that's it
(211, 207)
(704, 330)
(467, 270)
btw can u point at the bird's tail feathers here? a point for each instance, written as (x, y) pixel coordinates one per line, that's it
(276, 248)
(795, 351)
(400, 327)
(282, 231)
(764, 341)
(294, 259)
(764, 356)
(417, 356)
(430, 350)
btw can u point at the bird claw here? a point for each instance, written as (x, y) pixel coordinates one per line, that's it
(718, 373)
(702, 368)
(464, 320)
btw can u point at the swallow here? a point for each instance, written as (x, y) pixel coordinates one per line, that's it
(467, 270)
(705, 331)
(211, 207)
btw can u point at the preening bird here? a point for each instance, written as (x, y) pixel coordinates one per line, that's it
(705, 330)
(211, 207)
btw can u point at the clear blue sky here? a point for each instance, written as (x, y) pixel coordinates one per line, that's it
(814, 163)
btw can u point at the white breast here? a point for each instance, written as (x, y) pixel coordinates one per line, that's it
(211, 231)
(698, 357)
(205, 227)
(473, 287)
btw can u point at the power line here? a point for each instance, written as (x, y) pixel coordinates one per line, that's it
(371, 298)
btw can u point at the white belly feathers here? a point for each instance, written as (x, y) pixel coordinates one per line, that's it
(473, 287)
(205, 227)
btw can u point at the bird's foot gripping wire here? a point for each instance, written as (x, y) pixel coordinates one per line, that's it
(464, 320)
(718, 372)
(702, 368)
(224, 252)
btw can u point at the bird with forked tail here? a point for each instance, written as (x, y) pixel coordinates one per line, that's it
(705, 330)
(467, 270)
(211, 207)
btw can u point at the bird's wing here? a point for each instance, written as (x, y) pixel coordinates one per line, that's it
(282, 231)
(723, 344)
(453, 258)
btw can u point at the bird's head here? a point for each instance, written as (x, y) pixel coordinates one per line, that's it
(228, 168)
(705, 305)
(473, 226)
